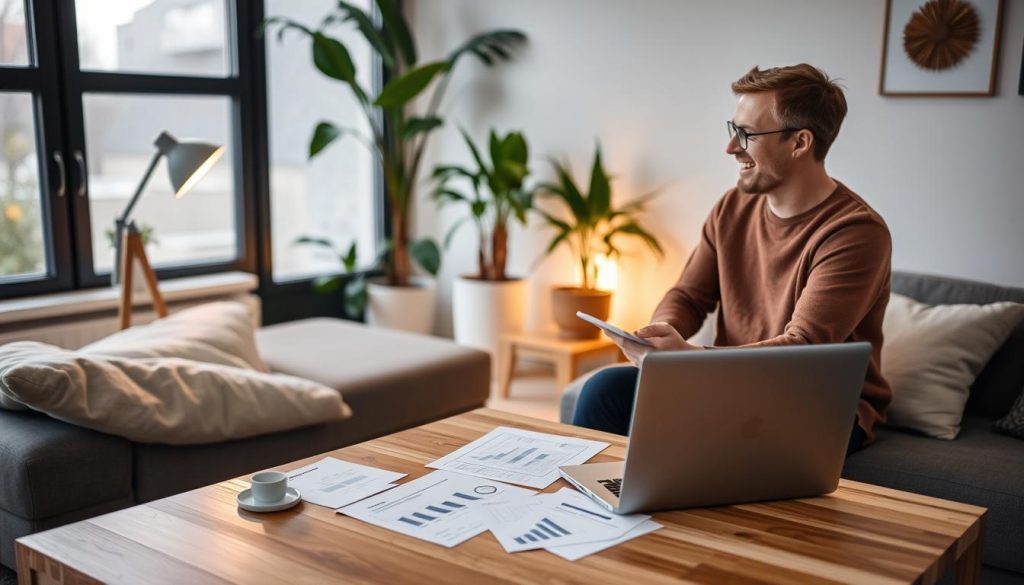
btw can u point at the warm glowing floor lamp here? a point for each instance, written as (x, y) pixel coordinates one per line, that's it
(187, 163)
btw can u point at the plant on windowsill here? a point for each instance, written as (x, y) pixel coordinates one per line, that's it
(591, 227)
(396, 137)
(489, 303)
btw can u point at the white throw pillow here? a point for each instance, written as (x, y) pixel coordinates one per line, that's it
(932, 354)
(217, 333)
(15, 354)
(169, 400)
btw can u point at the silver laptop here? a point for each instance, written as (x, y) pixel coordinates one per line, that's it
(726, 426)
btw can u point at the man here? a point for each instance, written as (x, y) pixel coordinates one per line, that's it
(790, 256)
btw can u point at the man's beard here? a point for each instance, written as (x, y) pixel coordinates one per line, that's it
(760, 182)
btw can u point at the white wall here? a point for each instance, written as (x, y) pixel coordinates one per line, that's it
(651, 80)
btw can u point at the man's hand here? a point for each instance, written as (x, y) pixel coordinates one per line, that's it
(662, 337)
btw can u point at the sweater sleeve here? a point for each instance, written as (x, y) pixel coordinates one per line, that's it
(696, 293)
(848, 274)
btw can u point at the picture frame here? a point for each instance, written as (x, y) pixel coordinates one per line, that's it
(972, 72)
(1020, 87)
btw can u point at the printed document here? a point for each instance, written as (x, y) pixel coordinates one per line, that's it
(565, 517)
(439, 507)
(519, 457)
(335, 483)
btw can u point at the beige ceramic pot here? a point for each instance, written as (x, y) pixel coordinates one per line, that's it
(565, 301)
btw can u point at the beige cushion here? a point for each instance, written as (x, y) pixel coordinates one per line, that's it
(168, 400)
(931, 355)
(13, 354)
(217, 333)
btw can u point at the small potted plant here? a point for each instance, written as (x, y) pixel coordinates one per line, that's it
(592, 226)
(490, 302)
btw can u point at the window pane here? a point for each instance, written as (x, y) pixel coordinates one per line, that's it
(13, 33)
(180, 37)
(332, 195)
(119, 134)
(22, 252)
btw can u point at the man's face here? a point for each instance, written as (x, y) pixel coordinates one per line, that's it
(766, 162)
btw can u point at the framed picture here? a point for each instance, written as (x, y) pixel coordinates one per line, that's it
(940, 47)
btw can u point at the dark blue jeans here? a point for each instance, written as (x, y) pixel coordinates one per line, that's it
(606, 404)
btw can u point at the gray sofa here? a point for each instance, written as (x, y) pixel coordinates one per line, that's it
(53, 473)
(980, 466)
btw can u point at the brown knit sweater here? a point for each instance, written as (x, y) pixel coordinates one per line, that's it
(819, 277)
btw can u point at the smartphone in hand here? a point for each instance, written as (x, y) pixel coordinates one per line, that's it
(612, 328)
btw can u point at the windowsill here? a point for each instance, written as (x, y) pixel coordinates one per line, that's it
(107, 298)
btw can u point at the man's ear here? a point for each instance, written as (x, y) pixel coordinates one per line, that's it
(803, 144)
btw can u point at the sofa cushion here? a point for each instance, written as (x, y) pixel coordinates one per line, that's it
(48, 467)
(169, 400)
(391, 379)
(980, 467)
(932, 354)
(1001, 380)
(216, 333)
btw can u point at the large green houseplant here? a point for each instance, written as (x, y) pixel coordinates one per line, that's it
(397, 136)
(491, 302)
(592, 225)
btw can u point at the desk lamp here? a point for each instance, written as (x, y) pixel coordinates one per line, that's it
(187, 164)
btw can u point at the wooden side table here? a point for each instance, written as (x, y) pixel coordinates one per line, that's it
(565, 354)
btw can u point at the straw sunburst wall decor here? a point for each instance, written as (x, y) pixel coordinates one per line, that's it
(941, 34)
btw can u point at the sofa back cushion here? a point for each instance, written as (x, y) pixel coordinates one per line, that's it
(1002, 379)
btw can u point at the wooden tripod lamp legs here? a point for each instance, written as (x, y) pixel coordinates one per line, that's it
(131, 250)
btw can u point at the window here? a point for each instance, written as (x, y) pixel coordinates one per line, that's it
(87, 85)
(334, 195)
(75, 145)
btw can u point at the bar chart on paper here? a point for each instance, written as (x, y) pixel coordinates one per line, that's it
(517, 456)
(437, 507)
(563, 518)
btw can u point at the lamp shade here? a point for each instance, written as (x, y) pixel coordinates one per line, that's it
(187, 162)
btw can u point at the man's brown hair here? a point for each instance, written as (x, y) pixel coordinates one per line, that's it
(804, 98)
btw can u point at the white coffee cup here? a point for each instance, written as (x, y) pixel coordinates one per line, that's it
(269, 486)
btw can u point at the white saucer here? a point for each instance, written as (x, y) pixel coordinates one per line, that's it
(246, 502)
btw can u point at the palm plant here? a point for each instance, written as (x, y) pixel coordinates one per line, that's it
(497, 196)
(593, 225)
(397, 138)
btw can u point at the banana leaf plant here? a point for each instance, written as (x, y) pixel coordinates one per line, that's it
(396, 137)
(497, 196)
(593, 225)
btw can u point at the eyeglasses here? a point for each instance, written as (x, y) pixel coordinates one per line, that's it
(744, 137)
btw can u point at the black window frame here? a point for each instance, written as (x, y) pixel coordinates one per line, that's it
(41, 80)
(235, 86)
(57, 83)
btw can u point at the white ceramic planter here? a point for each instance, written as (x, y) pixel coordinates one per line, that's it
(483, 310)
(406, 308)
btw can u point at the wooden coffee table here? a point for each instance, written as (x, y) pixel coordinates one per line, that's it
(860, 533)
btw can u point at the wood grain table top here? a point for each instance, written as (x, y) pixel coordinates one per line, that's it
(860, 533)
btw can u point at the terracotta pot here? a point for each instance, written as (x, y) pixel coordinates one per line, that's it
(565, 301)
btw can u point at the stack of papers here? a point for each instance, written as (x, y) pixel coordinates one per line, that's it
(566, 523)
(440, 507)
(334, 483)
(519, 457)
(467, 496)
